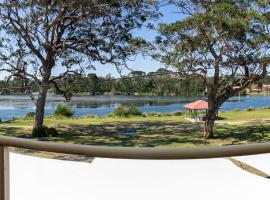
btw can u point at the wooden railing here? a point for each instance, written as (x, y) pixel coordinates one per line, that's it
(119, 152)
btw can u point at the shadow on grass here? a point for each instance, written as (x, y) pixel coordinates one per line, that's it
(148, 134)
(249, 133)
(15, 132)
(151, 134)
(222, 118)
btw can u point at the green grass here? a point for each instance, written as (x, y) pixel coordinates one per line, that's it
(152, 131)
(256, 114)
(91, 120)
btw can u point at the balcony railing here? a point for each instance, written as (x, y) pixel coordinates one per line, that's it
(119, 152)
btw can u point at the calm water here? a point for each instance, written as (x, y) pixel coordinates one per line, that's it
(18, 106)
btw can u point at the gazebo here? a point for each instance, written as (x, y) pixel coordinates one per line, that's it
(266, 89)
(194, 107)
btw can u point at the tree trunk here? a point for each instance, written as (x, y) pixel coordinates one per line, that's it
(210, 119)
(208, 129)
(40, 105)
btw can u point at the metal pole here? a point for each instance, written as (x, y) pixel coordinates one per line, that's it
(4, 173)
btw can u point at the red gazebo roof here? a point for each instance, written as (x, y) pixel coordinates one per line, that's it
(197, 105)
(267, 86)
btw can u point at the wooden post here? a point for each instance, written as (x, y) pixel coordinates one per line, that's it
(4, 173)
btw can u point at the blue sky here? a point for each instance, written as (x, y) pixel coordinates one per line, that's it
(142, 63)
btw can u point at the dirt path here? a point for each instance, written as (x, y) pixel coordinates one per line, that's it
(16, 126)
(52, 155)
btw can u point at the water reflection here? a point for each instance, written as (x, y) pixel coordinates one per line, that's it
(18, 106)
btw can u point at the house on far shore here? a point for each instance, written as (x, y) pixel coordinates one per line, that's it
(266, 88)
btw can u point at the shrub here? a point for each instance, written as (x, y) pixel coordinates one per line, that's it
(236, 110)
(44, 131)
(266, 108)
(178, 113)
(250, 109)
(168, 114)
(88, 116)
(30, 115)
(63, 110)
(126, 110)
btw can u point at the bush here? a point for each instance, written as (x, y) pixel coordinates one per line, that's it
(63, 110)
(88, 116)
(266, 108)
(236, 110)
(126, 110)
(44, 131)
(178, 113)
(30, 115)
(250, 109)
(168, 114)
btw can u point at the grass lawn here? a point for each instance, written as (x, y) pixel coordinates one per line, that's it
(254, 114)
(156, 131)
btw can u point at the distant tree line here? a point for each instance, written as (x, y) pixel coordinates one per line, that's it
(162, 82)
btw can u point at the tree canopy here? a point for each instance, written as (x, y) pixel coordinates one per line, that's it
(37, 36)
(222, 43)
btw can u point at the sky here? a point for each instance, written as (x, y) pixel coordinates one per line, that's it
(141, 63)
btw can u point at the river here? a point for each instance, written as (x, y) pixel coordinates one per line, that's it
(18, 105)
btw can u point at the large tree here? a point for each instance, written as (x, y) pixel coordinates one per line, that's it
(222, 43)
(43, 41)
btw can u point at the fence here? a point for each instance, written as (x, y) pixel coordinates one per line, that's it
(119, 152)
